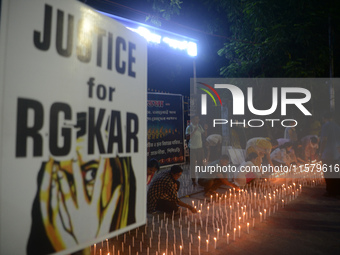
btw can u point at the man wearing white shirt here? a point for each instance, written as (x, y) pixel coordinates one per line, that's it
(194, 134)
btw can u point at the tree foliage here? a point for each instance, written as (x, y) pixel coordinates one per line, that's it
(164, 9)
(281, 38)
(276, 38)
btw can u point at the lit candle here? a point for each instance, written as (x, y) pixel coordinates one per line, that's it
(227, 238)
(260, 216)
(265, 214)
(94, 248)
(239, 231)
(215, 241)
(207, 245)
(234, 233)
(283, 203)
(199, 241)
(248, 227)
(180, 250)
(100, 251)
(218, 233)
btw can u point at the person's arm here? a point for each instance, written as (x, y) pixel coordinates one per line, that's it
(228, 183)
(300, 160)
(181, 203)
(269, 159)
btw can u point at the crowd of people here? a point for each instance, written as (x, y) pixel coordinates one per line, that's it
(319, 146)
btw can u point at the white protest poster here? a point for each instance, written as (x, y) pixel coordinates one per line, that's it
(73, 127)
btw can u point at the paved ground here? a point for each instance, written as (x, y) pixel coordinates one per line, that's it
(308, 225)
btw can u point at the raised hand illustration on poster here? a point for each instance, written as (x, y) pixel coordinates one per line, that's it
(100, 191)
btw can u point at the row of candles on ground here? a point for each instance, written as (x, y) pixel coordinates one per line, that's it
(233, 210)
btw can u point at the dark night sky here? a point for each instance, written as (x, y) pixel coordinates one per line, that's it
(168, 71)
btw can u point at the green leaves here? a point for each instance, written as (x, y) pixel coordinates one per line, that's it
(263, 32)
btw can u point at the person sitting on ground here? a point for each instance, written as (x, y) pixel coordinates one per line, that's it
(152, 168)
(211, 182)
(247, 171)
(162, 192)
(280, 155)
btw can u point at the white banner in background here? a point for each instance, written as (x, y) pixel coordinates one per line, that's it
(73, 127)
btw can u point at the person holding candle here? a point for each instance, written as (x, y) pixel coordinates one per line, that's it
(211, 182)
(162, 192)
